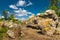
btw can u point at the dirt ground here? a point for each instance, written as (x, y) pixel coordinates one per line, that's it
(34, 34)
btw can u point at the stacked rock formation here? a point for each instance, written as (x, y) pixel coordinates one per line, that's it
(47, 22)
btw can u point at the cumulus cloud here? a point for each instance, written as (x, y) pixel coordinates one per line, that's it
(1, 16)
(20, 18)
(22, 12)
(21, 3)
(13, 7)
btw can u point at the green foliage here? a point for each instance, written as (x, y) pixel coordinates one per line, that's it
(11, 17)
(18, 21)
(5, 14)
(1, 36)
(3, 30)
(54, 6)
(1, 19)
(58, 0)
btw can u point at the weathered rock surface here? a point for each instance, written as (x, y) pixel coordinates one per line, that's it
(48, 30)
(15, 32)
(11, 33)
(47, 22)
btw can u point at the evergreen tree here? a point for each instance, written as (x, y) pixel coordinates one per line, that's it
(5, 14)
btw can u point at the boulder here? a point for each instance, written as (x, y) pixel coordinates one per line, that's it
(46, 23)
(11, 33)
(51, 14)
(48, 31)
(14, 32)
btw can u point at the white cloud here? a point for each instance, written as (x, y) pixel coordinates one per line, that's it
(13, 7)
(21, 3)
(38, 13)
(22, 12)
(1, 16)
(23, 18)
(30, 3)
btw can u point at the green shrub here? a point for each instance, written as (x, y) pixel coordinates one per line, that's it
(3, 30)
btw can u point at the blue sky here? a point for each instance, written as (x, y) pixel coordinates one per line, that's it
(24, 8)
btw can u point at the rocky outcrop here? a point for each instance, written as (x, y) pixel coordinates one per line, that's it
(47, 22)
(13, 29)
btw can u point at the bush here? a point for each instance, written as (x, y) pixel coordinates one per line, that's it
(3, 30)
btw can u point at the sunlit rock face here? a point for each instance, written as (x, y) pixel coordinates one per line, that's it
(51, 14)
(48, 14)
(9, 24)
(31, 17)
(47, 25)
(46, 22)
(48, 30)
(50, 11)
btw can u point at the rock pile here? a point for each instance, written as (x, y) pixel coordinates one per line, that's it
(47, 22)
(14, 29)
